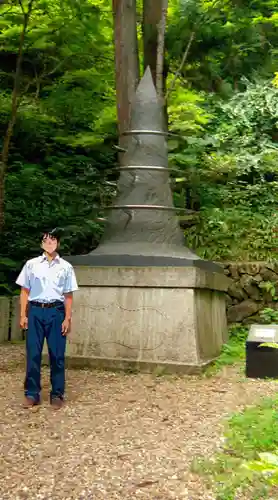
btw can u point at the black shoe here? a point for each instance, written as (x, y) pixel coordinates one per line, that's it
(57, 403)
(30, 403)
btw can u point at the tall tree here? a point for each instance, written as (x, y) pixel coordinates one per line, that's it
(213, 44)
(126, 58)
(26, 12)
(154, 27)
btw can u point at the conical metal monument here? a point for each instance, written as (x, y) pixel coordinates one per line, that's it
(145, 300)
(142, 227)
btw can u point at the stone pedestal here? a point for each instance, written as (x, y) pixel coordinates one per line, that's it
(170, 318)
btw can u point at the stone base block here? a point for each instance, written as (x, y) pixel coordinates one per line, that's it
(130, 366)
(147, 319)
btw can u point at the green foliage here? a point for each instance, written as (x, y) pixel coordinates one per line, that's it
(252, 235)
(62, 191)
(6, 267)
(229, 172)
(186, 114)
(269, 315)
(61, 154)
(232, 39)
(233, 352)
(228, 159)
(270, 287)
(248, 433)
(265, 466)
(247, 438)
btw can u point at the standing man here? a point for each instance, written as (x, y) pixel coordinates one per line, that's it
(47, 285)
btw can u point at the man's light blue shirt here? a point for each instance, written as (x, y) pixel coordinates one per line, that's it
(47, 281)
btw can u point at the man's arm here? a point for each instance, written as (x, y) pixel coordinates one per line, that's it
(24, 294)
(68, 305)
(68, 312)
(70, 287)
(23, 281)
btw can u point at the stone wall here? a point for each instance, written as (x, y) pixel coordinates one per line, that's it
(9, 320)
(4, 318)
(249, 291)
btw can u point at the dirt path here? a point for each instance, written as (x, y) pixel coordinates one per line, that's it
(119, 436)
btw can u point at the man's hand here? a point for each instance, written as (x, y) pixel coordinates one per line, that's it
(23, 322)
(66, 326)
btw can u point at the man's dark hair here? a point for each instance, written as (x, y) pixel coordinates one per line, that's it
(53, 233)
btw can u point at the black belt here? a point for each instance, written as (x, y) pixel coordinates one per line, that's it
(47, 305)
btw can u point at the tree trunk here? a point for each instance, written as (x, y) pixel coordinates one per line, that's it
(183, 61)
(154, 26)
(126, 58)
(15, 97)
(160, 57)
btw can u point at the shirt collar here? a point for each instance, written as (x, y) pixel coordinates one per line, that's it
(56, 259)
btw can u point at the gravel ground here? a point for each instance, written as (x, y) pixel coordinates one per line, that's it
(119, 436)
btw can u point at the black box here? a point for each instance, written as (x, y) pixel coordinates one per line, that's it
(262, 362)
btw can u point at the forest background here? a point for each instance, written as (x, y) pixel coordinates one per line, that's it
(221, 84)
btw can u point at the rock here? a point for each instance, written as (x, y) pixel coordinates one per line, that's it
(243, 310)
(269, 275)
(251, 268)
(229, 300)
(249, 285)
(273, 266)
(220, 264)
(267, 297)
(268, 292)
(258, 278)
(251, 320)
(273, 305)
(236, 291)
(233, 268)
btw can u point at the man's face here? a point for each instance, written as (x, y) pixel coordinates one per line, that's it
(49, 244)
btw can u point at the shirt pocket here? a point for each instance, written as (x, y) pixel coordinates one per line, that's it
(37, 278)
(60, 278)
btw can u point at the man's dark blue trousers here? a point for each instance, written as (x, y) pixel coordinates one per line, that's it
(45, 323)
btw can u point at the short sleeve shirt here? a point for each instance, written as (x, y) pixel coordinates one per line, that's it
(47, 281)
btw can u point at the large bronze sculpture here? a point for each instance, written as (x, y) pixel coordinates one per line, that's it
(142, 226)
